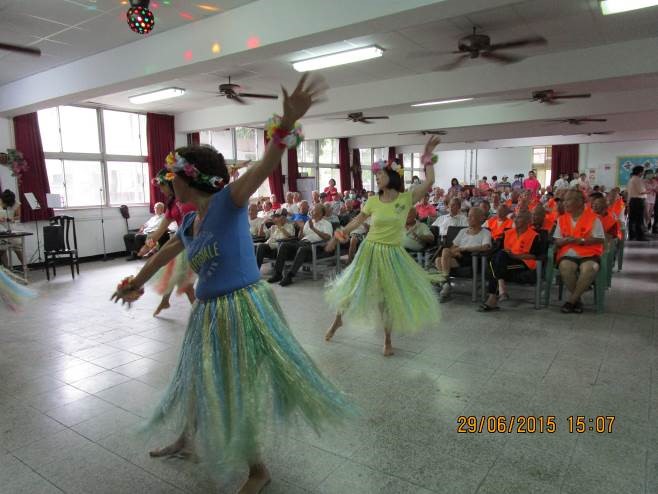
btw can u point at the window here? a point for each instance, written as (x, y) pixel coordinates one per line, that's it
(95, 157)
(305, 172)
(379, 154)
(125, 133)
(326, 174)
(328, 151)
(366, 178)
(366, 157)
(221, 140)
(246, 143)
(541, 163)
(306, 152)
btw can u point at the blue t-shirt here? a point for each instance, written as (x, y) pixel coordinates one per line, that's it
(222, 253)
(299, 217)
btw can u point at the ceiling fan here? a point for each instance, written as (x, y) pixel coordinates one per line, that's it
(234, 92)
(359, 117)
(424, 133)
(578, 121)
(549, 96)
(479, 45)
(604, 133)
(24, 50)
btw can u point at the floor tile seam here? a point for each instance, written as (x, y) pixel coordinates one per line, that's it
(38, 473)
(389, 474)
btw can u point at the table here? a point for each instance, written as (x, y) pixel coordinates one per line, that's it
(9, 247)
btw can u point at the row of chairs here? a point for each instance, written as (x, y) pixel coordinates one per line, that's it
(543, 278)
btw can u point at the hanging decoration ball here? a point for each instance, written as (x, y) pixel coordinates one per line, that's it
(140, 19)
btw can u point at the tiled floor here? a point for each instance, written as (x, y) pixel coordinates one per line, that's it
(78, 374)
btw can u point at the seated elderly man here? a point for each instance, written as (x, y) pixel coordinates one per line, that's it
(521, 247)
(453, 218)
(289, 204)
(608, 219)
(417, 235)
(499, 223)
(255, 222)
(317, 229)
(267, 211)
(134, 241)
(281, 230)
(579, 238)
(301, 216)
(468, 241)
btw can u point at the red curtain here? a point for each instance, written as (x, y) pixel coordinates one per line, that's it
(564, 160)
(293, 170)
(391, 154)
(193, 139)
(160, 141)
(35, 180)
(276, 180)
(356, 170)
(344, 162)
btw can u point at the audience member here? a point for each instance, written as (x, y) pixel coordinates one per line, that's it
(331, 189)
(521, 247)
(504, 184)
(562, 182)
(10, 213)
(532, 185)
(579, 238)
(455, 188)
(485, 206)
(425, 210)
(454, 218)
(134, 241)
(317, 229)
(255, 221)
(301, 217)
(608, 219)
(315, 198)
(518, 182)
(499, 223)
(276, 205)
(267, 211)
(278, 232)
(290, 202)
(637, 195)
(417, 235)
(468, 241)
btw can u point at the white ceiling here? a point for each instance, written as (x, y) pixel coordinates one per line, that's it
(566, 24)
(67, 30)
(613, 57)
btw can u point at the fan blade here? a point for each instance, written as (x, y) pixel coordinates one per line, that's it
(261, 96)
(363, 120)
(537, 40)
(236, 98)
(455, 63)
(593, 119)
(497, 57)
(572, 96)
(25, 50)
(376, 118)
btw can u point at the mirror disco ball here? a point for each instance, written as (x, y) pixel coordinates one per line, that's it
(140, 19)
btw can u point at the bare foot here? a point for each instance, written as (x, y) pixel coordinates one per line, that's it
(163, 305)
(259, 477)
(338, 322)
(179, 448)
(388, 350)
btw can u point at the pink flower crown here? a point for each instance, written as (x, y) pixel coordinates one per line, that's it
(393, 165)
(177, 164)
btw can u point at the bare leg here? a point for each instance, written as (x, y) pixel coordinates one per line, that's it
(354, 243)
(164, 304)
(568, 271)
(189, 291)
(258, 478)
(181, 448)
(388, 346)
(588, 272)
(338, 322)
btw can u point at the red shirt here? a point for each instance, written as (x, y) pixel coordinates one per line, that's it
(533, 185)
(177, 212)
(330, 191)
(425, 211)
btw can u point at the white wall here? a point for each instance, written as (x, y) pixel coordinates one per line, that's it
(456, 163)
(6, 141)
(602, 158)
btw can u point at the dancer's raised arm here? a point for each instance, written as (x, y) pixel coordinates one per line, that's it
(427, 159)
(284, 135)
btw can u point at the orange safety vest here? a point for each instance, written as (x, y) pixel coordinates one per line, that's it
(549, 221)
(618, 207)
(496, 228)
(551, 204)
(521, 244)
(609, 221)
(582, 229)
(533, 204)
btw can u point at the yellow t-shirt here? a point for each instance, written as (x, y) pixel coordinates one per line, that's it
(387, 218)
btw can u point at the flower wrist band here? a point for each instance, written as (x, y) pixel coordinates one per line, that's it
(429, 159)
(281, 137)
(127, 291)
(340, 235)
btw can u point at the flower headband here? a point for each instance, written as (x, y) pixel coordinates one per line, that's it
(394, 165)
(163, 177)
(177, 164)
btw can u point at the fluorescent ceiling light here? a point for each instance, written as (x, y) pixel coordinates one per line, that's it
(444, 102)
(617, 6)
(340, 58)
(160, 94)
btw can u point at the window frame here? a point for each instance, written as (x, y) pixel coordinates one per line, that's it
(102, 156)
